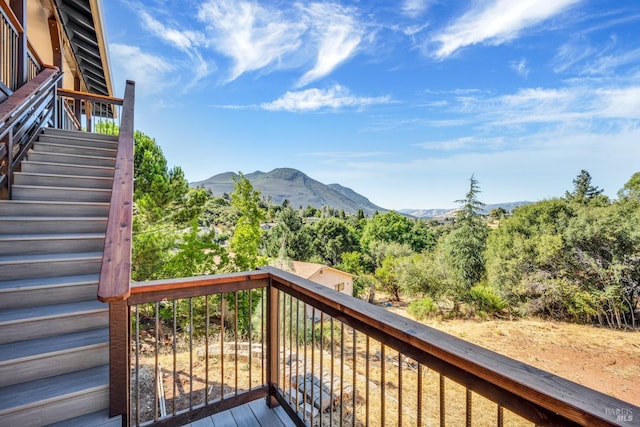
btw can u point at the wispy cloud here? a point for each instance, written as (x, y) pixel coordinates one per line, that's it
(151, 73)
(251, 35)
(334, 98)
(414, 8)
(464, 143)
(338, 35)
(496, 22)
(520, 67)
(187, 41)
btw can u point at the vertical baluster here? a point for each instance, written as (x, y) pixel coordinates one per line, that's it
(235, 335)
(191, 353)
(263, 334)
(366, 384)
(419, 422)
(158, 377)
(137, 352)
(290, 345)
(313, 351)
(399, 389)
(321, 376)
(297, 354)
(304, 368)
(442, 402)
(175, 337)
(382, 384)
(206, 350)
(468, 408)
(342, 373)
(222, 310)
(332, 372)
(283, 348)
(354, 350)
(500, 416)
(250, 331)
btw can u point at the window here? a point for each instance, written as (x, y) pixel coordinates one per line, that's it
(339, 287)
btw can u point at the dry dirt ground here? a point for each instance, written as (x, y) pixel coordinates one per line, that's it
(603, 359)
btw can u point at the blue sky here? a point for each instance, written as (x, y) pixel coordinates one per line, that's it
(399, 100)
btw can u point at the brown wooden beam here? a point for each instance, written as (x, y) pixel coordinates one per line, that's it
(272, 344)
(119, 376)
(56, 43)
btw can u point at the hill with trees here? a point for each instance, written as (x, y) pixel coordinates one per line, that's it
(297, 188)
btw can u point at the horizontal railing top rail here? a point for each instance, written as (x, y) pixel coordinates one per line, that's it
(74, 94)
(536, 395)
(115, 273)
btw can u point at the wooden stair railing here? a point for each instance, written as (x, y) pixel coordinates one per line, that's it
(115, 273)
(22, 116)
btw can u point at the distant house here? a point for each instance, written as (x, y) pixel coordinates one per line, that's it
(322, 274)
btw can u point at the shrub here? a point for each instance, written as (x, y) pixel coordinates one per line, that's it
(422, 309)
(486, 299)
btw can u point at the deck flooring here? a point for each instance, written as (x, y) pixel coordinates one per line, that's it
(252, 414)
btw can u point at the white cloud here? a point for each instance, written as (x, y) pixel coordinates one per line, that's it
(253, 36)
(338, 36)
(520, 67)
(150, 72)
(314, 99)
(496, 22)
(182, 39)
(414, 8)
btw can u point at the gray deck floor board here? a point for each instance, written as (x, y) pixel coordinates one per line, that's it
(253, 414)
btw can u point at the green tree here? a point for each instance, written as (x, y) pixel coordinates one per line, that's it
(631, 189)
(465, 245)
(289, 238)
(331, 237)
(583, 192)
(471, 207)
(246, 237)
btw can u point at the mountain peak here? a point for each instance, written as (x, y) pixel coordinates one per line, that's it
(296, 187)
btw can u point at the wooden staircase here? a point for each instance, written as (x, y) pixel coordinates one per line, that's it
(54, 352)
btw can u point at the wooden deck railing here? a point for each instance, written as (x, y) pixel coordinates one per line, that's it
(203, 344)
(19, 62)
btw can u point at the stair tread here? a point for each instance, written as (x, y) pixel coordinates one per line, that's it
(52, 203)
(49, 282)
(94, 419)
(50, 311)
(32, 392)
(79, 134)
(41, 346)
(44, 187)
(80, 156)
(49, 257)
(37, 162)
(57, 175)
(110, 151)
(51, 236)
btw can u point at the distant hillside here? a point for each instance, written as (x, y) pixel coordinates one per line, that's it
(297, 188)
(448, 213)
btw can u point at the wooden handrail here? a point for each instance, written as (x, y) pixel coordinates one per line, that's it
(8, 13)
(157, 290)
(115, 273)
(526, 390)
(90, 96)
(11, 108)
(34, 53)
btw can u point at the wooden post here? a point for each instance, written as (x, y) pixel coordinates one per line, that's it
(77, 103)
(272, 343)
(56, 45)
(119, 376)
(19, 8)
